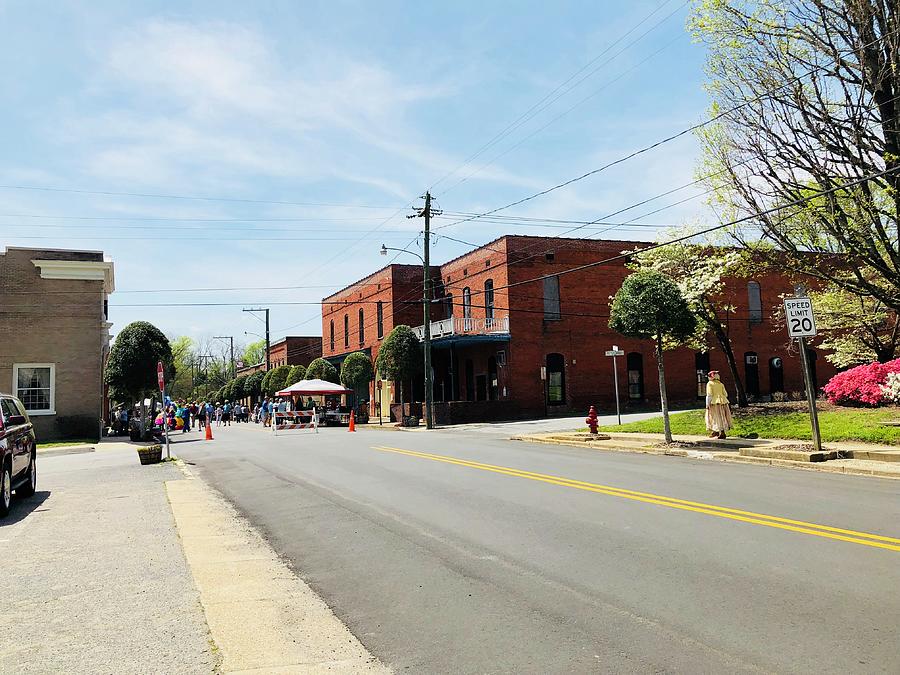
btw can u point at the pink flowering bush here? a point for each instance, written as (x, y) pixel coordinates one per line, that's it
(863, 385)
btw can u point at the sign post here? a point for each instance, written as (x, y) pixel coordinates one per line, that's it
(614, 352)
(801, 323)
(161, 379)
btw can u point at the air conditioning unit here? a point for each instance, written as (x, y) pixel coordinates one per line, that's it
(776, 362)
(751, 359)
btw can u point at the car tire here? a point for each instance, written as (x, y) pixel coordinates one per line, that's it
(30, 487)
(5, 490)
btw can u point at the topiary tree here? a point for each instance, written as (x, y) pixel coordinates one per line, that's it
(276, 382)
(264, 384)
(320, 369)
(356, 371)
(296, 374)
(400, 357)
(649, 305)
(253, 385)
(131, 366)
(239, 388)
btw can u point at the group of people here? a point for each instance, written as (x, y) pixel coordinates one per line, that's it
(185, 416)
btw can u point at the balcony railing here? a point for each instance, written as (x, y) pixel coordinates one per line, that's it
(458, 325)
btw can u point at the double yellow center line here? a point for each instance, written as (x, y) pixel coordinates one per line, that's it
(852, 536)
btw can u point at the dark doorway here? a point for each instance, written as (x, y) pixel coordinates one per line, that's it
(470, 380)
(751, 373)
(635, 364)
(776, 374)
(493, 382)
(480, 387)
(701, 364)
(556, 379)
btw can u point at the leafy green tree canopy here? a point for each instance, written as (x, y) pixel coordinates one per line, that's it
(239, 388)
(264, 385)
(254, 353)
(356, 370)
(650, 306)
(296, 374)
(131, 367)
(279, 375)
(400, 357)
(322, 370)
(253, 386)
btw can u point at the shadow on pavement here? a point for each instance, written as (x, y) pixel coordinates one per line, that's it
(20, 508)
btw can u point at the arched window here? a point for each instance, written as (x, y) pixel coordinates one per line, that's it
(754, 302)
(362, 328)
(635, 364)
(489, 298)
(346, 330)
(448, 306)
(556, 379)
(467, 303)
(331, 335)
(379, 311)
(551, 299)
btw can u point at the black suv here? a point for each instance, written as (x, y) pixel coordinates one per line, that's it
(18, 450)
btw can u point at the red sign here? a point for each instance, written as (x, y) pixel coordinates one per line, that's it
(160, 376)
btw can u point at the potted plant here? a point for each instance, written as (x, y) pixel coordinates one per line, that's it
(150, 454)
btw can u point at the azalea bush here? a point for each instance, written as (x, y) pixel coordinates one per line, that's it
(863, 385)
(890, 390)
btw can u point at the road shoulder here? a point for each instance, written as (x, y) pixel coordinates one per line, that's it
(260, 614)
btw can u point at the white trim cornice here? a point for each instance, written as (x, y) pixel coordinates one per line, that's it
(80, 270)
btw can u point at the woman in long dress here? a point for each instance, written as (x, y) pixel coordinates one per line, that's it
(718, 411)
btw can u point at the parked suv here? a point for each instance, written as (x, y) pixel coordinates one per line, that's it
(18, 450)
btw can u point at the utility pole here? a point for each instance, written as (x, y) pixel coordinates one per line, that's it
(266, 310)
(230, 339)
(426, 213)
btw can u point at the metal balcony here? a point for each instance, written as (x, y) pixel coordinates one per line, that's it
(458, 325)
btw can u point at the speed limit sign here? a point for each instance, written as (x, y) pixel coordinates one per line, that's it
(799, 315)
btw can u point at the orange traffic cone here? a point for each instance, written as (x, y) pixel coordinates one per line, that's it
(352, 421)
(209, 431)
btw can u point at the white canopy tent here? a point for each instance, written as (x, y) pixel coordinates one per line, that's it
(314, 388)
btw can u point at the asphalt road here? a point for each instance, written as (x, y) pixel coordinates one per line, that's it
(443, 555)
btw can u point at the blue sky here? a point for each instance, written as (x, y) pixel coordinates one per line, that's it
(349, 110)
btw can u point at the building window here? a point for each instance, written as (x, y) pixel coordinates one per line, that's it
(489, 298)
(467, 303)
(448, 306)
(551, 299)
(35, 385)
(346, 330)
(701, 365)
(754, 302)
(635, 364)
(556, 379)
(379, 311)
(362, 329)
(331, 335)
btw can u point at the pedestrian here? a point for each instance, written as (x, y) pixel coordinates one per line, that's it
(718, 411)
(201, 415)
(226, 413)
(265, 408)
(218, 413)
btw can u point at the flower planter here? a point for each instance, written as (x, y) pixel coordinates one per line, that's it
(150, 454)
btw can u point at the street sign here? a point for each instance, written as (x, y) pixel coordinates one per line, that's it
(160, 376)
(615, 352)
(799, 315)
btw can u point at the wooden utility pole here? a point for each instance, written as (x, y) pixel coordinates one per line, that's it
(426, 311)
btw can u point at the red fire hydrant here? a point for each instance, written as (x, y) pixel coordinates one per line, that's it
(591, 420)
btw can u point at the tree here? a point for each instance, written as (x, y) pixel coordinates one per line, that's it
(239, 388)
(649, 305)
(855, 329)
(264, 385)
(320, 369)
(276, 382)
(356, 371)
(806, 98)
(400, 358)
(700, 271)
(254, 353)
(296, 374)
(131, 366)
(253, 386)
(183, 359)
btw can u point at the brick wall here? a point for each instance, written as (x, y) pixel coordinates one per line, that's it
(57, 321)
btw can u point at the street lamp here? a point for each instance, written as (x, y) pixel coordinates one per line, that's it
(426, 313)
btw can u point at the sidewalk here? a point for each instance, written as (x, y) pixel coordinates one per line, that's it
(94, 577)
(850, 458)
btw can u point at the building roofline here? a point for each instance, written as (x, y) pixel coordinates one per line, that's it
(366, 278)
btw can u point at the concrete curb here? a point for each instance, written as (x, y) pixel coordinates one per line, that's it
(261, 616)
(723, 457)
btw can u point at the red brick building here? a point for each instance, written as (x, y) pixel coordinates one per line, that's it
(505, 346)
(293, 350)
